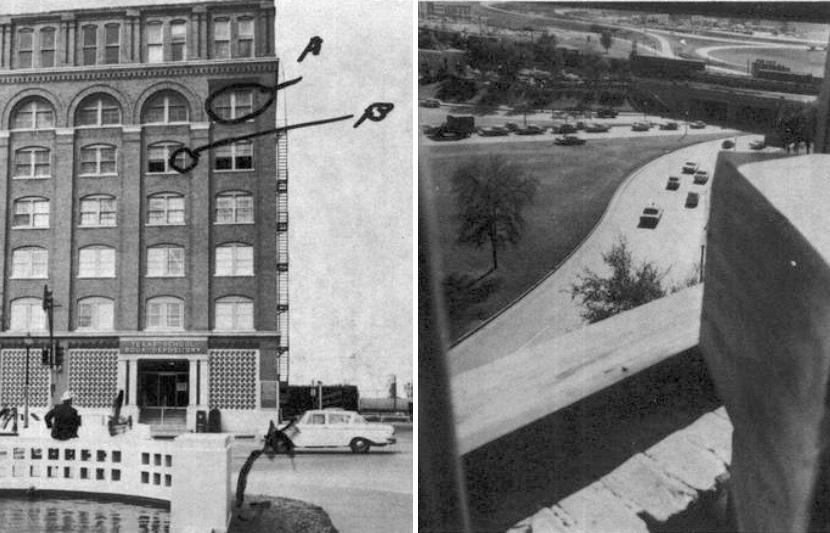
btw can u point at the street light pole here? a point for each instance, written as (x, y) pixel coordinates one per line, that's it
(28, 343)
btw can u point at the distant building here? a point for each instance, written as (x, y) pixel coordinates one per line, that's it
(433, 63)
(451, 10)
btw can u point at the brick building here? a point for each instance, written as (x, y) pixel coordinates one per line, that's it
(168, 286)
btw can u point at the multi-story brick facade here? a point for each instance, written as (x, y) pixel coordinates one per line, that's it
(168, 286)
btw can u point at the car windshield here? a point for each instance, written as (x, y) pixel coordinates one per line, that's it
(358, 419)
(650, 211)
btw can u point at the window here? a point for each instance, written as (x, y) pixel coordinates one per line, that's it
(234, 207)
(222, 38)
(235, 259)
(155, 46)
(27, 315)
(158, 157)
(90, 45)
(96, 262)
(96, 314)
(165, 313)
(33, 162)
(98, 160)
(164, 107)
(30, 263)
(165, 261)
(33, 113)
(165, 209)
(31, 212)
(236, 156)
(234, 313)
(112, 43)
(98, 110)
(98, 210)
(245, 39)
(47, 47)
(25, 42)
(233, 104)
(178, 41)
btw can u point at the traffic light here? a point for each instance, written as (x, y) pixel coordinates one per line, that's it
(47, 298)
(59, 352)
(45, 356)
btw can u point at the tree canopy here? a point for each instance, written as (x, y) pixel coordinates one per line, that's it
(491, 194)
(628, 286)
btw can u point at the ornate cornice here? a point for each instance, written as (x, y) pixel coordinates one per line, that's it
(140, 71)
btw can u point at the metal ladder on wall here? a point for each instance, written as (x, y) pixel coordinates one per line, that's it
(282, 255)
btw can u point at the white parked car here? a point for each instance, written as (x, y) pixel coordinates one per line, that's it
(335, 428)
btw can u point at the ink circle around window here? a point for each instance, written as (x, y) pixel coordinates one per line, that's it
(226, 92)
(191, 159)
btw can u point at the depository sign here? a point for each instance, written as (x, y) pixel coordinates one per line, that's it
(163, 347)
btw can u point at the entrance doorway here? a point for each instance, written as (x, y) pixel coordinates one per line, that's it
(163, 392)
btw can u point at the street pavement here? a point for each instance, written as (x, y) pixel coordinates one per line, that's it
(674, 246)
(362, 493)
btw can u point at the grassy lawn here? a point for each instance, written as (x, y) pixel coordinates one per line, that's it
(575, 186)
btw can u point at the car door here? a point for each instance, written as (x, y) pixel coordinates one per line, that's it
(312, 430)
(340, 431)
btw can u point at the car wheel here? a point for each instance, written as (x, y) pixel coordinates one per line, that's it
(360, 445)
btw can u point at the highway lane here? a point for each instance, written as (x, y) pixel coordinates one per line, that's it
(674, 246)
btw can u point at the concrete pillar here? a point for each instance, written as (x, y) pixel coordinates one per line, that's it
(5, 157)
(200, 242)
(203, 382)
(765, 336)
(62, 211)
(129, 220)
(201, 503)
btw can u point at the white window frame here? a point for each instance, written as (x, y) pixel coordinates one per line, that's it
(165, 305)
(97, 201)
(155, 48)
(34, 318)
(166, 97)
(89, 47)
(236, 266)
(98, 103)
(240, 37)
(167, 211)
(43, 48)
(98, 150)
(108, 47)
(235, 197)
(178, 40)
(94, 305)
(33, 203)
(36, 106)
(168, 147)
(167, 261)
(92, 263)
(234, 156)
(225, 40)
(30, 262)
(30, 50)
(32, 165)
(233, 304)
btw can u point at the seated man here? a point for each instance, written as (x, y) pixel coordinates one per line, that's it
(63, 419)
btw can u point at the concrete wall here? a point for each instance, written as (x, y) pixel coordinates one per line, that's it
(765, 334)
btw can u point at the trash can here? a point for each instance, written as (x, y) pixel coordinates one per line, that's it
(201, 421)
(214, 421)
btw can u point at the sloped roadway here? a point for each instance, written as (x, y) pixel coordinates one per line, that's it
(674, 245)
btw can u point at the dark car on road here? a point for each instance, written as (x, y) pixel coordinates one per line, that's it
(511, 126)
(564, 129)
(493, 131)
(530, 129)
(701, 177)
(640, 126)
(673, 183)
(692, 200)
(697, 125)
(569, 140)
(596, 127)
(671, 126)
(606, 113)
(651, 217)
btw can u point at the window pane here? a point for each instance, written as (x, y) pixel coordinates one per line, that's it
(90, 35)
(44, 116)
(106, 262)
(88, 116)
(89, 56)
(176, 261)
(155, 53)
(177, 111)
(156, 261)
(224, 261)
(110, 115)
(223, 30)
(154, 33)
(112, 34)
(224, 316)
(244, 103)
(244, 260)
(25, 39)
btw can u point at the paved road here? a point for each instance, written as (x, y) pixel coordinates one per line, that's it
(674, 246)
(369, 493)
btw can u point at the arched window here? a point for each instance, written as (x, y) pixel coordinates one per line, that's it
(33, 113)
(47, 47)
(30, 262)
(31, 212)
(178, 40)
(25, 45)
(165, 312)
(98, 160)
(98, 110)
(32, 162)
(234, 207)
(165, 209)
(158, 157)
(98, 210)
(235, 259)
(165, 107)
(27, 315)
(96, 314)
(165, 261)
(234, 313)
(236, 156)
(245, 37)
(96, 262)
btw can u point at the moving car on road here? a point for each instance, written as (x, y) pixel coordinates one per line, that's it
(701, 177)
(606, 113)
(596, 127)
(673, 183)
(564, 128)
(569, 140)
(640, 126)
(493, 131)
(530, 129)
(651, 217)
(697, 125)
(671, 126)
(336, 428)
(692, 199)
(690, 167)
